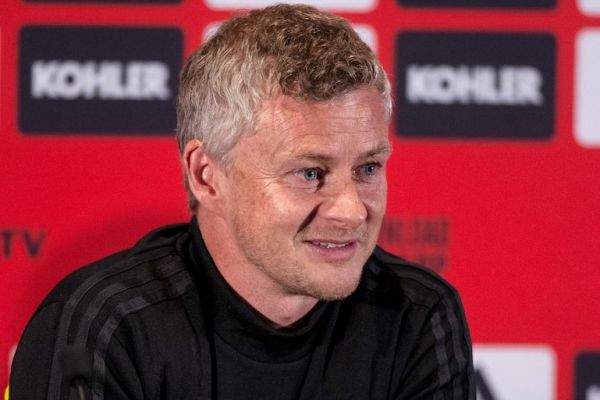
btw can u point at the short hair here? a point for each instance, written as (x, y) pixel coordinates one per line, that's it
(293, 50)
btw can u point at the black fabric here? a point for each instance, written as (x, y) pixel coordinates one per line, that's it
(247, 348)
(163, 324)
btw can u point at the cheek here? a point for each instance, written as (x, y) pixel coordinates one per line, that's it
(278, 204)
(375, 197)
(248, 192)
(290, 207)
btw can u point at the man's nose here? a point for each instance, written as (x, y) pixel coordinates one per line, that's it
(344, 204)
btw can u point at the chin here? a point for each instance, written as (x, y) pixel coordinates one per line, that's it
(332, 295)
(335, 289)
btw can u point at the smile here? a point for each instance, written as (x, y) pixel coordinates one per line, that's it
(329, 245)
(333, 251)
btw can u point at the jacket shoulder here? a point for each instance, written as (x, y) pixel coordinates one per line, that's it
(88, 307)
(155, 247)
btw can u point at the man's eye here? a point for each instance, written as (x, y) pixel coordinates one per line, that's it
(368, 169)
(311, 174)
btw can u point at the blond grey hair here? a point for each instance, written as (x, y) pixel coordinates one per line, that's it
(295, 50)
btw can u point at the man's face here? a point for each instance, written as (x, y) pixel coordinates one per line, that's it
(307, 192)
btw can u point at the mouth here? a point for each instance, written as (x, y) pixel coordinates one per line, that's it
(331, 245)
(334, 251)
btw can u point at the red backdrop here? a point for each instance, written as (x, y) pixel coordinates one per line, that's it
(510, 221)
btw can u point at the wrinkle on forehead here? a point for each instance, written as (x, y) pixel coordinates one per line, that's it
(342, 120)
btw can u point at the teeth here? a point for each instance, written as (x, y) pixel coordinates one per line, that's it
(332, 245)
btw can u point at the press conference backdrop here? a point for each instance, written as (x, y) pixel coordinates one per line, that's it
(494, 180)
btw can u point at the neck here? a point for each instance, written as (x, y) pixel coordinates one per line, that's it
(247, 280)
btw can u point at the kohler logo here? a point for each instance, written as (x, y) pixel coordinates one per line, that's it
(477, 84)
(105, 80)
(98, 79)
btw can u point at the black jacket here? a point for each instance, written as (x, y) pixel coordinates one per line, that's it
(141, 325)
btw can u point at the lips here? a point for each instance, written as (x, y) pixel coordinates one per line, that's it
(333, 251)
(331, 245)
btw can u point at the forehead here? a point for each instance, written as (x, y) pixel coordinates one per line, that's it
(358, 117)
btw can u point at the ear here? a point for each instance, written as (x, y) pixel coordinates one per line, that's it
(202, 173)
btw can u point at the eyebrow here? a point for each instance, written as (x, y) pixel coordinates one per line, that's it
(384, 149)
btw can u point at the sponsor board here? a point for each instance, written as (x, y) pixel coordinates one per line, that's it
(587, 88)
(587, 376)
(98, 79)
(424, 240)
(589, 7)
(333, 5)
(514, 372)
(475, 85)
(14, 241)
(480, 3)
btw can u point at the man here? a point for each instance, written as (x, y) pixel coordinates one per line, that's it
(275, 290)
